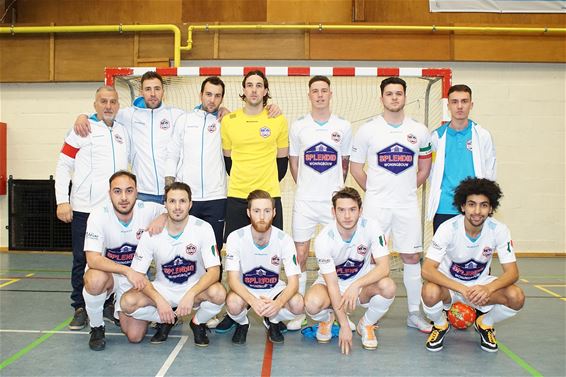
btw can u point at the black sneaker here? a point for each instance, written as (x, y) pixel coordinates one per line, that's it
(488, 342)
(435, 341)
(108, 314)
(225, 325)
(79, 319)
(282, 327)
(273, 331)
(240, 334)
(162, 332)
(199, 331)
(97, 340)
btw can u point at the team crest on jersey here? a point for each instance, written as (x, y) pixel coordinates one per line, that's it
(469, 145)
(411, 138)
(362, 250)
(349, 268)
(487, 251)
(191, 249)
(396, 158)
(321, 157)
(212, 127)
(119, 139)
(139, 234)
(164, 124)
(265, 132)
(260, 278)
(336, 137)
(122, 254)
(467, 271)
(275, 260)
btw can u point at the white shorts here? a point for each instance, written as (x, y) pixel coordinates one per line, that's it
(403, 225)
(456, 296)
(307, 215)
(172, 295)
(342, 284)
(121, 285)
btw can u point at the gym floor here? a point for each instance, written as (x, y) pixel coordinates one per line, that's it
(34, 339)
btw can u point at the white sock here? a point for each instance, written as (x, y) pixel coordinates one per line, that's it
(378, 306)
(497, 314)
(147, 313)
(303, 283)
(94, 306)
(436, 314)
(206, 311)
(413, 285)
(322, 316)
(241, 319)
(282, 315)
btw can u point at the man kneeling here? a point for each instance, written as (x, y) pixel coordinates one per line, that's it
(344, 250)
(254, 256)
(458, 262)
(188, 269)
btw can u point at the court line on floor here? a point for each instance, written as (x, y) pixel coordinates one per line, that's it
(68, 332)
(542, 288)
(34, 344)
(14, 280)
(518, 360)
(267, 358)
(172, 356)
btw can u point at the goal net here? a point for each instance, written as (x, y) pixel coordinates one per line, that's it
(355, 98)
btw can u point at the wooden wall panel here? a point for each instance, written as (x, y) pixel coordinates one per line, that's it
(416, 12)
(154, 49)
(24, 58)
(383, 46)
(312, 11)
(84, 57)
(224, 11)
(92, 12)
(262, 46)
(512, 48)
(203, 47)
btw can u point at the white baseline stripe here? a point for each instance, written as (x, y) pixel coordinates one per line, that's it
(172, 356)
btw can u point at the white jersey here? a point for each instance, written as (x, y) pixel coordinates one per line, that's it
(467, 261)
(89, 162)
(150, 130)
(107, 235)
(180, 261)
(351, 259)
(260, 268)
(320, 149)
(194, 155)
(391, 153)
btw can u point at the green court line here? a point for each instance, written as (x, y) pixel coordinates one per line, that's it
(34, 344)
(522, 363)
(28, 270)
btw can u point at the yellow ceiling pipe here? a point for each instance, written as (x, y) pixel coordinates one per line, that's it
(321, 27)
(102, 29)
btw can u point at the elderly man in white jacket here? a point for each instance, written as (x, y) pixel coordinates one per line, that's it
(461, 149)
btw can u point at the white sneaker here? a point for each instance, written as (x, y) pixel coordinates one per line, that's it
(213, 322)
(352, 325)
(416, 321)
(297, 323)
(369, 340)
(324, 332)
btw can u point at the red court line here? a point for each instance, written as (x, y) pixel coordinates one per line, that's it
(267, 358)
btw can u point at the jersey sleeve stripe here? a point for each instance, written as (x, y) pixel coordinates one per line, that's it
(69, 150)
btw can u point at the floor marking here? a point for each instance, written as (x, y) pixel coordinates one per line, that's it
(524, 280)
(172, 356)
(541, 287)
(522, 363)
(67, 332)
(13, 280)
(267, 358)
(34, 344)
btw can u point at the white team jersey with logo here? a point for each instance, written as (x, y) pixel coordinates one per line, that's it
(392, 155)
(349, 259)
(179, 261)
(468, 261)
(260, 268)
(320, 150)
(115, 240)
